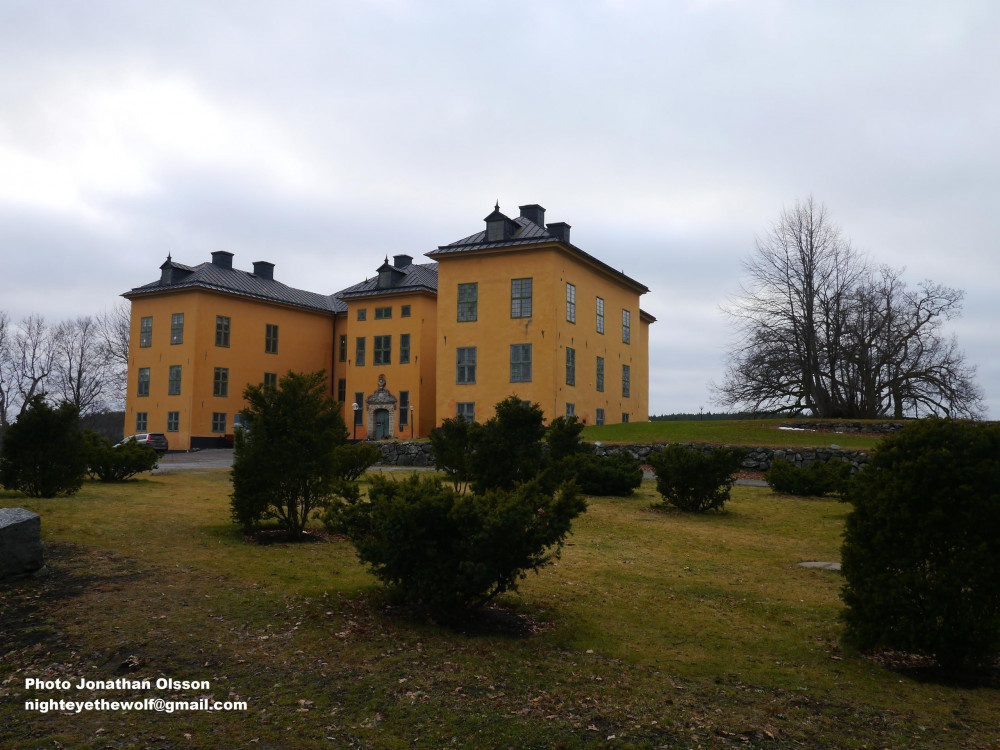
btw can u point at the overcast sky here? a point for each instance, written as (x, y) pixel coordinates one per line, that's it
(323, 136)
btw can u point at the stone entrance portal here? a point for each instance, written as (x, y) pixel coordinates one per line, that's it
(381, 408)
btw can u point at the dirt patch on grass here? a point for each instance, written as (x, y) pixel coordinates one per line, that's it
(266, 537)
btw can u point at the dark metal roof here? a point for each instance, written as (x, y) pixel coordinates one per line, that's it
(416, 277)
(527, 233)
(242, 283)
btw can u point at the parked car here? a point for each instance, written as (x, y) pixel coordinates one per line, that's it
(155, 440)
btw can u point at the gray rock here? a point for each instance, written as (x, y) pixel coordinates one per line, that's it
(20, 542)
(821, 565)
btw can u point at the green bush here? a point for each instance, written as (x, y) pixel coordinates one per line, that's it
(815, 480)
(507, 447)
(453, 444)
(694, 480)
(563, 438)
(289, 460)
(44, 453)
(109, 463)
(921, 552)
(615, 474)
(449, 552)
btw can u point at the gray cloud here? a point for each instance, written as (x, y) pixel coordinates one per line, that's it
(323, 136)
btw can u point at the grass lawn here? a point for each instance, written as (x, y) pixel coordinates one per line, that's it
(654, 630)
(752, 432)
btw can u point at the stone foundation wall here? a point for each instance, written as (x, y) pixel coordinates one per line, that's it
(757, 459)
(406, 454)
(878, 428)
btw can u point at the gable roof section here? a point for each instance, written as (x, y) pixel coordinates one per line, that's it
(241, 283)
(528, 233)
(417, 277)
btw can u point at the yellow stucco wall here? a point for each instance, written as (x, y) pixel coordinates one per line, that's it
(417, 376)
(305, 344)
(550, 267)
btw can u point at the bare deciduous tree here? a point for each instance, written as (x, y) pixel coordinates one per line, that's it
(80, 374)
(822, 332)
(8, 379)
(33, 354)
(113, 328)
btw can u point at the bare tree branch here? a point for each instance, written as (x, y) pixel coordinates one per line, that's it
(820, 331)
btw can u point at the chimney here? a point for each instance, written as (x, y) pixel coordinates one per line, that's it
(559, 230)
(533, 213)
(222, 259)
(402, 261)
(263, 270)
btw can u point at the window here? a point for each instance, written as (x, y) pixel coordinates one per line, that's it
(404, 311)
(359, 351)
(466, 409)
(570, 366)
(600, 416)
(571, 303)
(143, 389)
(520, 298)
(494, 231)
(626, 381)
(624, 417)
(177, 328)
(218, 421)
(141, 421)
(146, 331)
(362, 314)
(570, 410)
(383, 313)
(382, 350)
(600, 374)
(221, 330)
(343, 347)
(359, 414)
(220, 383)
(404, 408)
(271, 379)
(600, 315)
(342, 390)
(404, 348)
(626, 327)
(468, 300)
(174, 381)
(173, 421)
(520, 363)
(271, 339)
(465, 364)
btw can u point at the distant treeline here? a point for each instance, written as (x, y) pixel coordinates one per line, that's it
(708, 415)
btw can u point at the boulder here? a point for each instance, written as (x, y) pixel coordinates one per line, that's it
(20, 542)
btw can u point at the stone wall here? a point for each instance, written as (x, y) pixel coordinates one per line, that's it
(757, 459)
(878, 428)
(406, 454)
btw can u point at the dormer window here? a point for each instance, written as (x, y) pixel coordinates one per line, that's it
(389, 276)
(498, 226)
(495, 231)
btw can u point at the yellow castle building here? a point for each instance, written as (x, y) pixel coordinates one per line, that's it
(515, 308)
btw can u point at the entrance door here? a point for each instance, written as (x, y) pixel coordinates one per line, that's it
(382, 424)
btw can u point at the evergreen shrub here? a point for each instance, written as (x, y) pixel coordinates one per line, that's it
(815, 480)
(921, 552)
(109, 463)
(44, 453)
(449, 552)
(693, 480)
(617, 473)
